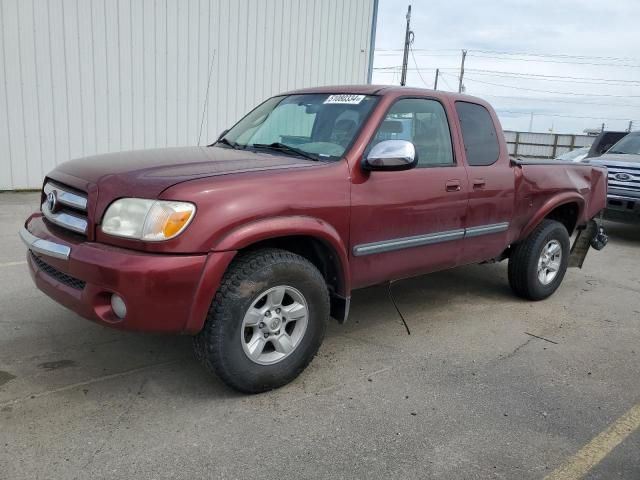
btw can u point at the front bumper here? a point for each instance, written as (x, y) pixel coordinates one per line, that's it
(622, 207)
(163, 293)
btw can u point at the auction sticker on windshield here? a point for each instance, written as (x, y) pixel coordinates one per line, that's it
(348, 99)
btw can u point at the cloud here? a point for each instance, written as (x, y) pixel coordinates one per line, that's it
(567, 29)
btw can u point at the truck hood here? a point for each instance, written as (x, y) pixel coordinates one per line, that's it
(616, 159)
(148, 172)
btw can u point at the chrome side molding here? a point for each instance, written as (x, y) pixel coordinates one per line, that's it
(428, 239)
(44, 247)
(486, 229)
(407, 242)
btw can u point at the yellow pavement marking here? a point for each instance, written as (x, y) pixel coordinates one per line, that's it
(11, 264)
(598, 448)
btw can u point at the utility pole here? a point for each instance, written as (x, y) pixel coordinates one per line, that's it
(408, 40)
(460, 85)
(435, 84)
(628, 129)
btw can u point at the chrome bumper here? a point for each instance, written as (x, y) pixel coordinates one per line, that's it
(44, 247)
(623, 198)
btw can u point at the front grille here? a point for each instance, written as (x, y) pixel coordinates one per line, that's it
(53, 272)
(65, 207)
(626, 178)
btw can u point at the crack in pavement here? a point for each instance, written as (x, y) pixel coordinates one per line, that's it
(117, 423)
(86, 382)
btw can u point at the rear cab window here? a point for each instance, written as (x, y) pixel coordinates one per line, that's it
(479, 134)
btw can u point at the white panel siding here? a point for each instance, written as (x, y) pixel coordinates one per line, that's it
(80, 77)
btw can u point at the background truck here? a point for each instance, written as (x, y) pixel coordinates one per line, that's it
(622, 161)
(251, 243)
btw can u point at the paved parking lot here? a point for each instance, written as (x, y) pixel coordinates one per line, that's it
(471, 393)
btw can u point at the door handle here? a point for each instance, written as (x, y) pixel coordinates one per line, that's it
(479, 183)
(452, 186)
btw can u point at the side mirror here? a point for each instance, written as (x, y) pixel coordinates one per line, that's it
(391, 155)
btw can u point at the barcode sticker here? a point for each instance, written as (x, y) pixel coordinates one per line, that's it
(345, 98)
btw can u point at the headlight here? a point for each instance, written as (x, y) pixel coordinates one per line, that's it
(151, 220)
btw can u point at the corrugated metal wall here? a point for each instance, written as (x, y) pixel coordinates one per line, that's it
(80, 77)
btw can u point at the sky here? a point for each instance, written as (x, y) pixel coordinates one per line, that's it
(573, 64)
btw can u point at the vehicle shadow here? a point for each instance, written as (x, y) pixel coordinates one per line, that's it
(168, 363)
(626, 232)
(418, 295)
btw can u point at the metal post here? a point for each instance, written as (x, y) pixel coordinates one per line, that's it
(602, 128)
(531, 123)
(555, 146)
(628, 129)
(460, 85)
(408, 38)
(435, 84)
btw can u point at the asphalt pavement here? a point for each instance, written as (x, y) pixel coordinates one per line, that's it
(485, 386)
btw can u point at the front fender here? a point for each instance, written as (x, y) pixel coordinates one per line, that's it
(550, 205)
(275, 227)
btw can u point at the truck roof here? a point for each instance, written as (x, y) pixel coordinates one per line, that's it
(367, 89)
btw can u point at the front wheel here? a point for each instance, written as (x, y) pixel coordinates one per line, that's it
(538, 264)
(266, 321)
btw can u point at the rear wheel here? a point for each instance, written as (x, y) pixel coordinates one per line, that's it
(538, 264)
(266, 321)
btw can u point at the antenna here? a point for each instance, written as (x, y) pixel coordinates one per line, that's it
(206, 96)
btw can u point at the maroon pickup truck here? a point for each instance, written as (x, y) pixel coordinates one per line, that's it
(251, 243)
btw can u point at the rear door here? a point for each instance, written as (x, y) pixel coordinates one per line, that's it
(405, 223)
(491, 183)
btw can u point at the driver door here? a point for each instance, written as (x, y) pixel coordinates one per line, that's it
(410, 222)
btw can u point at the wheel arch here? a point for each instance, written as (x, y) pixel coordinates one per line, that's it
(312, 238)
(566, 209)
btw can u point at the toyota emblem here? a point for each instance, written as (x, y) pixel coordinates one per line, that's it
(52, 201)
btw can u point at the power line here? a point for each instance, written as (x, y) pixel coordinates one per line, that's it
(547, 100)
(532, 76)
(444, 80)
(393, 54)
(418, 49)
(417, 69)
(554, 91)
(543, 114)
(556, 55)
(627, 65)
(554, 78)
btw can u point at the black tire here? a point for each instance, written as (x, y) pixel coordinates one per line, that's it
(219, 344)
(523, 262)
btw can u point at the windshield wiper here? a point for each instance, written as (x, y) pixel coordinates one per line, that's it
(283, 147)
(617, 151)
(224, 141)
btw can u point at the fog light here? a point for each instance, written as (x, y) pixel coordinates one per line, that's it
(118, 306)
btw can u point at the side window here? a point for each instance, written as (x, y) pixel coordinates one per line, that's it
(422, 122)
(479, 134)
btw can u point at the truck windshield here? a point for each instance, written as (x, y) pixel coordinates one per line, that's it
(317, 126)
(629, 145)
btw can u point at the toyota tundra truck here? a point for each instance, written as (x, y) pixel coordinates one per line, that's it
(250, 244)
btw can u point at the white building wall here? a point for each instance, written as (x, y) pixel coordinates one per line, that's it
(79, 77)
